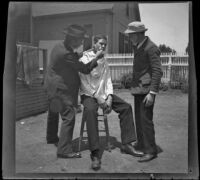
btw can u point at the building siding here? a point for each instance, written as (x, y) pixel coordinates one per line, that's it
(23, 28)
(108, 23)
(30, 100)
(51, 28)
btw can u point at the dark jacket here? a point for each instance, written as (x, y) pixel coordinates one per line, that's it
(147, 70)
(62, 73)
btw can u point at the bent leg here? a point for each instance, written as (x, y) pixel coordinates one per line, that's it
(125, 112)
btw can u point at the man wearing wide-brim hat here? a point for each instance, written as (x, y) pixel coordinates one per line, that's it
(147, 75)
(62, 84)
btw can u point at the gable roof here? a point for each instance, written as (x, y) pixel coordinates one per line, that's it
(42, 8)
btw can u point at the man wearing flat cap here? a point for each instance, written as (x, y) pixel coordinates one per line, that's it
(147, 75)
(62, 84)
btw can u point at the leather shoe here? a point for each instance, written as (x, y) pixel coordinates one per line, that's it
(129, 149)
(137, 147)
(96, 163)
(147, 157)
(69, 155)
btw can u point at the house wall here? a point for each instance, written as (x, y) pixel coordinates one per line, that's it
(104, 22)
(23, 28)
(121, 20)
(51, 27)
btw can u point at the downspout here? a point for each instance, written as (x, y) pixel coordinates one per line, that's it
(136, 12)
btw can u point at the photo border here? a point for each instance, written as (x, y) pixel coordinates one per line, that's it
(8, 149)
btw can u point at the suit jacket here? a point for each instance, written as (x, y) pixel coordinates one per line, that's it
(62, 74)
(147, 71)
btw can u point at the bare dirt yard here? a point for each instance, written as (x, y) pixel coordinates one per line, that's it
(34, 155)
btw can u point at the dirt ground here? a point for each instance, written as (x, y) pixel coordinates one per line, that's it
(34, 155)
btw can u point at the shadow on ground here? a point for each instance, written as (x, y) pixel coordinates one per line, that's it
(103, 144)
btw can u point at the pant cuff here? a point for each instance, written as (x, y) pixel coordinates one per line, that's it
(128, 140)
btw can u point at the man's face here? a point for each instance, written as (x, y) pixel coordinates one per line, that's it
(76, 43)
(100, 45)
(134, 38)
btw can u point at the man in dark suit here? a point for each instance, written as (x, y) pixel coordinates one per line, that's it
(147, 73)
(62, 84)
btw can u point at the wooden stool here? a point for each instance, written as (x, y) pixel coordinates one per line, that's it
(101, 118)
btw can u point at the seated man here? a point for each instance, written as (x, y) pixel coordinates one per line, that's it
(97, 90)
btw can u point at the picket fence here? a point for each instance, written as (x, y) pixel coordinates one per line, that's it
(33, 100)
(174, 66)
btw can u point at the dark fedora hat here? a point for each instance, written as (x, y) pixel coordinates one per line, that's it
(75, 30)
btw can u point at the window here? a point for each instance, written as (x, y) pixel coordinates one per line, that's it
(88, 41)
(125, 45)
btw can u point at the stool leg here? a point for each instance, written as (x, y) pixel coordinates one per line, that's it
(81, 135)
(107, 133)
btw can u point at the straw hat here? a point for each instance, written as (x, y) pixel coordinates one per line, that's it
(135, 27)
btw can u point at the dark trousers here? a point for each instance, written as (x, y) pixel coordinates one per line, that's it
(121, 107)
(52, 127)
(66, 130)
(144, 125)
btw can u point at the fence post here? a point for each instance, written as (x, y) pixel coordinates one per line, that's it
(169, 71)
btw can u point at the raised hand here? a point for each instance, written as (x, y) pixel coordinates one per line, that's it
(99, 54)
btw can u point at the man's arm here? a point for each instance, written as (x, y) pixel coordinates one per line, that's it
(154, 57)
(72, 59)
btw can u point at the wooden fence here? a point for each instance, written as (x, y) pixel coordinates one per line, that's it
(174, 66)
(30, 101)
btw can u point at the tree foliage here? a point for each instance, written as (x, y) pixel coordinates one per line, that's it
(166, 49)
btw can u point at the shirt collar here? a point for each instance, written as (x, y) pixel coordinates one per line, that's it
(141, 43)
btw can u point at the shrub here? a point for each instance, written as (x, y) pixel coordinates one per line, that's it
(163, 86)
(184, 85)
(126, 80)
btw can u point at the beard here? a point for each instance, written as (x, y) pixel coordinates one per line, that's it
(79, 49)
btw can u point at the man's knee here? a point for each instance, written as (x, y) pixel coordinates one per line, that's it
(90, 106)
(90, 109)
(68, 113)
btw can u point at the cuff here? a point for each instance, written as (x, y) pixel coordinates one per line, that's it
(152, 92)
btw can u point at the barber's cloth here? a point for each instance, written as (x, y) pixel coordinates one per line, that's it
(99, 79)
(27, 63)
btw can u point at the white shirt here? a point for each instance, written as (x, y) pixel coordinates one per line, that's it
(99, 79)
